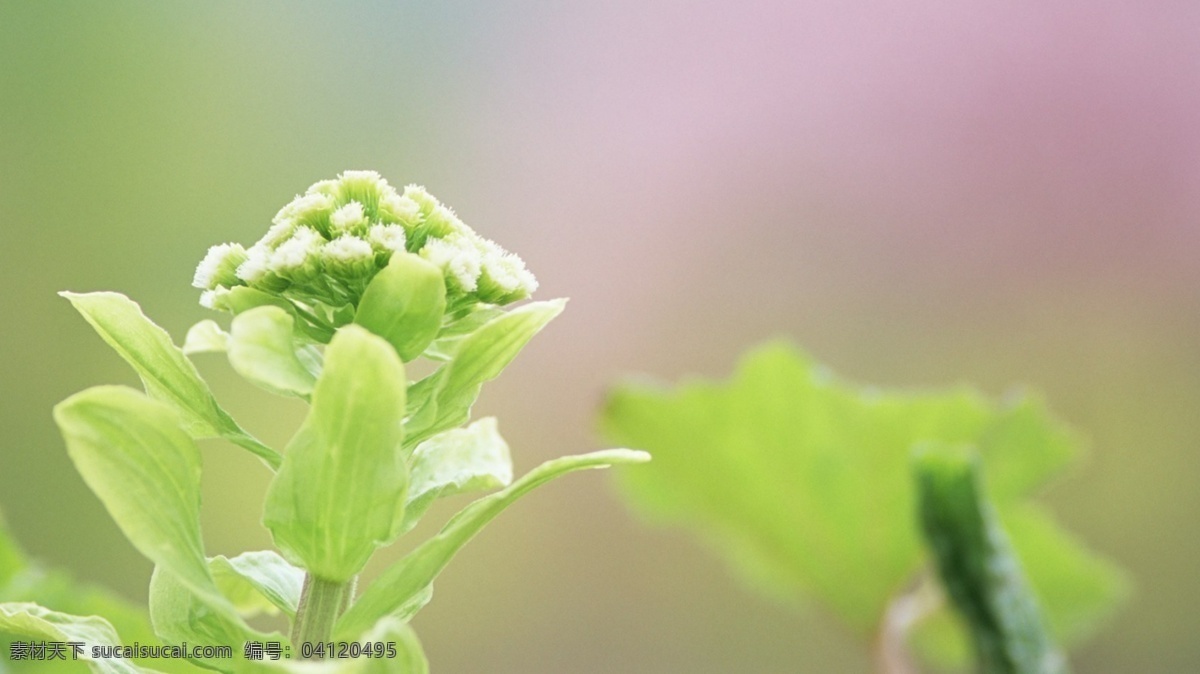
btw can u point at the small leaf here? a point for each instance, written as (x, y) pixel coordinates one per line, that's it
(181, 616)
(205, 337)
(335, 498)
(412, 575)
(450, 392)
(262, 581)
(410, 657)
(34, 622)
(167, 374)
(978, 568)
(404, 304)
(474, 458)
(146, 470)
(262, 349)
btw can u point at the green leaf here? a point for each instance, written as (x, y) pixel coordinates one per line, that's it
(802, 480)
(146, 470)
(404, 304)
(413, 575)
(459, 460)
(453, 333)
(181, 616)
(205, 337)
(33, 622)
(977, 566)
(167, 374)
(258, 582)
(262, 349)
(445, 397)
(335, 498)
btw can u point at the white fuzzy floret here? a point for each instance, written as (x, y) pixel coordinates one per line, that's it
(387, 237)
(459, 258)
(206, 271)
(348, 249)
(296, 251)
(348, 217)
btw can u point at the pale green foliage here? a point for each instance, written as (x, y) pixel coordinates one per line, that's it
(334, 499)
(262, 347)
(978, 569)
(166, 373)
(414, 574)
(803, 483)
(351, 282)
(33, 622)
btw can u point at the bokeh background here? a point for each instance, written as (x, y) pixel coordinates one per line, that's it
(919, 193)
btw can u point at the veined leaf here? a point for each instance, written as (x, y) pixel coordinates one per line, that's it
(447, 395)
(257, 582)
(474, 458)
(802, 481)
(167, 374)
(263, 349)
(412, 575)
(146, 470)
(34, 622)
(335, 498)
(978, 569)
(404, 304)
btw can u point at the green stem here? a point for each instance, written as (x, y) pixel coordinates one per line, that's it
(321, 603)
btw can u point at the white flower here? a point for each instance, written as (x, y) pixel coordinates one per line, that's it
(257, 264)
(459, 258)
(389, 238)
(348, 218)
(293, 257)
(504, 274)
(219, 265)
(210, 299)
(401, 209)
(305, 208)
(348, 256)
(348, 249)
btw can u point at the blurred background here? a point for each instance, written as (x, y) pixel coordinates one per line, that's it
(918, 193)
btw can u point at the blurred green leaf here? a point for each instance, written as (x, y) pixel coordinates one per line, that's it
(404, 304)
(205, 337)
(180, 615)
(33, 622)
(335, 498)
(803, 481)
(263, 349)
(443, 400)
(166, 373)
(459, 460)
(132, 453)
(412, 576)
(977, 566)
(258, 582)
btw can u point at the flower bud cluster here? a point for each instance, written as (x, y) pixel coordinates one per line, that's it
(325, 246)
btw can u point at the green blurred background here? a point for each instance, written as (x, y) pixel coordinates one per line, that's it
(919, 194)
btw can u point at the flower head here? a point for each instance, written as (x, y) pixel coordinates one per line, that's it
(324, 247)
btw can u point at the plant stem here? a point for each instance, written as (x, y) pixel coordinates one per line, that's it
(321, 603)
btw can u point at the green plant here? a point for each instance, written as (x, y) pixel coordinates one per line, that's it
(352, 281)
(807, 485)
